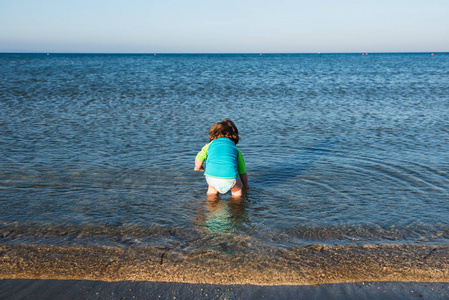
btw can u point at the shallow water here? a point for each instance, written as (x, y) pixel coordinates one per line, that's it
(341, 150)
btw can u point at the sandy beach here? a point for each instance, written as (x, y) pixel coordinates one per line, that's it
(315, 272)
(310, 265)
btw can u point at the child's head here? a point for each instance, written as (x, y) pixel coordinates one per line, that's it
(225, 128)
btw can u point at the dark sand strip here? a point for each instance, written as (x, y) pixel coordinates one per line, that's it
(82, 289)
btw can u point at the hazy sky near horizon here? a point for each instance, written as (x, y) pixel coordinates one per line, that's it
(231, 26)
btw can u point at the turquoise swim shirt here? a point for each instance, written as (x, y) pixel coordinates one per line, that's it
(223, 159)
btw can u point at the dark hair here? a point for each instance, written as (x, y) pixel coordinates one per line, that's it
(225, 128)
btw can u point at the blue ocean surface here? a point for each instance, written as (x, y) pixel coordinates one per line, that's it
(341, 149)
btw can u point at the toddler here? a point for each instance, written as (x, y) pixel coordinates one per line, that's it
(225, 167)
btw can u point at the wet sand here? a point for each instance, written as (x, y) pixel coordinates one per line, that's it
(310, 265)
(74, 289)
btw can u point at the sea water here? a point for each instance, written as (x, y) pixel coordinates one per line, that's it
(98, 150)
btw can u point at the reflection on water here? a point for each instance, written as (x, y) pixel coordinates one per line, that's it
(225, 217)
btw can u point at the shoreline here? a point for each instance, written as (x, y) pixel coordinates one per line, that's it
(309, 265)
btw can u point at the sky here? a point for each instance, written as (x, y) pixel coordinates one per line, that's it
(225, 26)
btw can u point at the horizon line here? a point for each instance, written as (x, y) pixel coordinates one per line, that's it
(218, 53)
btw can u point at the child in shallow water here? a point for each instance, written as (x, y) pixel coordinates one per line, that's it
(225, 167)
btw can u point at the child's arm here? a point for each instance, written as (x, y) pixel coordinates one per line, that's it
(241, 167)
(198, 165)
(244, 179)
(200, 158)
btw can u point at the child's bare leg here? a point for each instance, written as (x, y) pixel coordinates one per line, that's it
(237, 189)
(211, 190)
